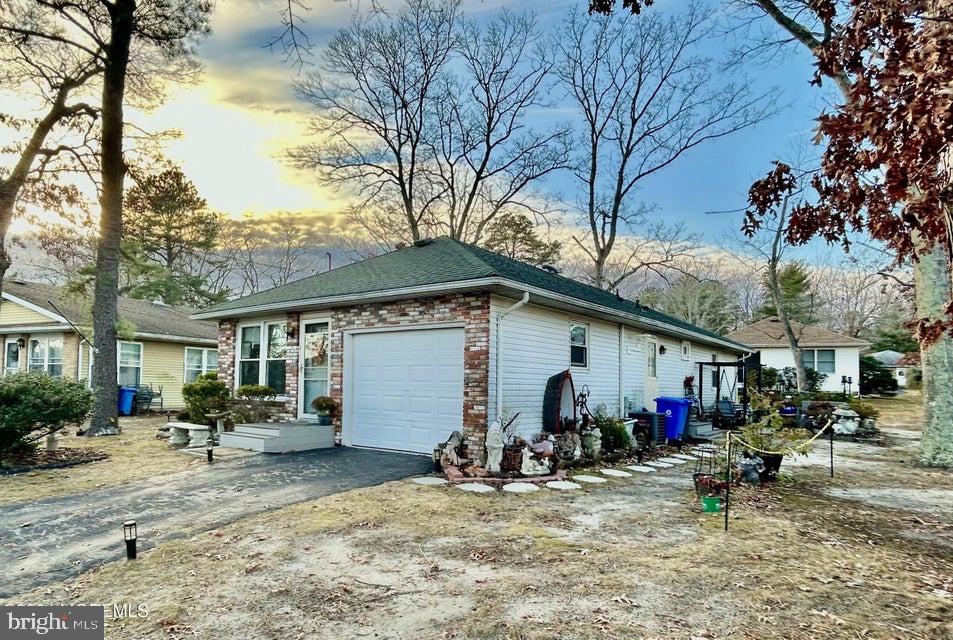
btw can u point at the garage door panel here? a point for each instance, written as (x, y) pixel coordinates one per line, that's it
(407, 388)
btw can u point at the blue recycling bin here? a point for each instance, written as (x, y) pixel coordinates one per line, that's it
(676, 415)
(126, 396)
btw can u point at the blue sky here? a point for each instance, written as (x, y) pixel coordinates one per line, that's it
(238, 121)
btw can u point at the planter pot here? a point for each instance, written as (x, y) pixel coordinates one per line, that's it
(324, 421)
(772, 465)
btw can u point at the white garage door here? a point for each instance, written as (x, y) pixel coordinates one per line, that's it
(406, 388)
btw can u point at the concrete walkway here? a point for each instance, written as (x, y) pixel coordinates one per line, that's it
(56, 538)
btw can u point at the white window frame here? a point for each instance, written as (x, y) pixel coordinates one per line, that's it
(686, 350)
(813, 364)
(263, 352)
(46, 352)
(142, 357)
(20, 351)
(303, 411)
(204, 368)
(587, 346)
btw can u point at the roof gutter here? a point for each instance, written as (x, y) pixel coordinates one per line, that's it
(327, 301)
(499, 352)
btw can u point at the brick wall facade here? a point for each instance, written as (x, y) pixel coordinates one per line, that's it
(471, 309)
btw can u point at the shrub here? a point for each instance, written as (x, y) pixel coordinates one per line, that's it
(864, 409)
(874, 377)
(615, 437)
(34, 405)
(325, 404)
(206, 394)
(255, 392)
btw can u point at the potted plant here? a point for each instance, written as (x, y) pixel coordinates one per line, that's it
(769, 438)
(326, 408)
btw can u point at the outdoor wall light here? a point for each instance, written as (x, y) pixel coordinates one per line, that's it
(21, 343)
(290, 331)
(130, 535)
(662, 349)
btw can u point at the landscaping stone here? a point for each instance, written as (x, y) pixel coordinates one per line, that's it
(430, 481)
(616, 473)
(641, 468)
(685, 456)
(673, 460)
(659, 465)
(520, 487)
(476, 487)
(589, 479)
(563, 485)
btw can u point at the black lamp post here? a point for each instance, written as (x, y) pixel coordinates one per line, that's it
(843, 384)
(850, 384)
(209, 445)
(130, 535)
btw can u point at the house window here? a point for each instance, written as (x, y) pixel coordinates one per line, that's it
(686, 350)
(821, 360)
(46, 356)
(264, 366)
(129, 373)
(199, 361)
(579, 345)
(11, 357)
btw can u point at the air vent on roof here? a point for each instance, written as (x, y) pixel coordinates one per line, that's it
(550, 268)
(423, 242)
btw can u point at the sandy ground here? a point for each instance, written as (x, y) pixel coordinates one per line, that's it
(865, 555)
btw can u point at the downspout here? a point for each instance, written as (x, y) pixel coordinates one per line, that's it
(499, 354)
(622, 413)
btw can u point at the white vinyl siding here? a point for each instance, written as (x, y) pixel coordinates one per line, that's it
(846, 363)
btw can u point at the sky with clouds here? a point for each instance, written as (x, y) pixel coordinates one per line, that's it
(238, 122)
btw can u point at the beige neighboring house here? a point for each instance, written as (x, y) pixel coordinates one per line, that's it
(834, 354)
(166, 349)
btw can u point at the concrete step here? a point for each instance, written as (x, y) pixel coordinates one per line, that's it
(279, 437)
(243, 441)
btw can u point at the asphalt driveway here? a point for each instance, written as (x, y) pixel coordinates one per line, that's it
(48, 540)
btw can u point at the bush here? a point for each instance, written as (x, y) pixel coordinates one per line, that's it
(206, 394)
(864, 409)
(615, 437)
(325, 405)
(255, 392)
(874, 377)
(34, 405)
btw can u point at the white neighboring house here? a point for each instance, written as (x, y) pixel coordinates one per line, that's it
(828, 352)
(902, 365)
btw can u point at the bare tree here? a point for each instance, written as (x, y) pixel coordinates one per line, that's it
(645, 98)
(424, 117)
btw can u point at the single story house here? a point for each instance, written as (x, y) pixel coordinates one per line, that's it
(904, 366)
(165, 349)
(442, 336)
(823, 350)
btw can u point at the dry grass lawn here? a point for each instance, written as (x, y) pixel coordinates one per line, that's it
(634, 558)
(136, 454)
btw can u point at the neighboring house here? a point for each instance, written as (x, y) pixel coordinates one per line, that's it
(442, 336)
(903, 365)
(166, 349)
(825, 351)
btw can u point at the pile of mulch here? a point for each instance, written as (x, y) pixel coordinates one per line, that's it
(38, 459)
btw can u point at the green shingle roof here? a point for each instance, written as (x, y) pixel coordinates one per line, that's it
(441, 261)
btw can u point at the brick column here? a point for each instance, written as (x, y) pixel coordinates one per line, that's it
(226, 351)
(290, 411)
(476, 363)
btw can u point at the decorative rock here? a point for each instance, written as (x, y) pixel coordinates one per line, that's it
(563, 485)
(520, 487)
(589, 479)
(673, 460)
(616, 473)
(641, 468)
(684, 456)
(430, 481)
(659, 465)
(475, 487)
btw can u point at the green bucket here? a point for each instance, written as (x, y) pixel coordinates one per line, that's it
(711, 504)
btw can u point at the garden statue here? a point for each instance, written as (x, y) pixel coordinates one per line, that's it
(592, 443)
(847, 421)
(531, 466)
(569, 445)
(450, 456)
(494, 448)
(751, 467)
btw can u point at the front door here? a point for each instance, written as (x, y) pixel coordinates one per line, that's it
(314, 365)
(651, 372)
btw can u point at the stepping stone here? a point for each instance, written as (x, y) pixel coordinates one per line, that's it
(615, 473)
(563, 485)
(431, 481)
(641, 468)
(659, 465)
(520, 487)
(475, 487)
(673, 460)
(684, 456)
(589, 479)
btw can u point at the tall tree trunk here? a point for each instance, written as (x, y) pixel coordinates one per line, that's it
(933, 273)
(105, 312)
